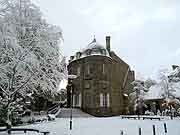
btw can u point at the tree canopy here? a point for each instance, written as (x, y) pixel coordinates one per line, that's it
(30, 56)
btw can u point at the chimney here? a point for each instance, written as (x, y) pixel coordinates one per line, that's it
(108, 45)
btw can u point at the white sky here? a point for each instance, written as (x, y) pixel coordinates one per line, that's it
(145, 33)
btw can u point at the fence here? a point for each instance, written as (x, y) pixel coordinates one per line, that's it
(153, 130)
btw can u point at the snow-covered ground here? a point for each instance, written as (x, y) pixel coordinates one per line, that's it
(105, 126)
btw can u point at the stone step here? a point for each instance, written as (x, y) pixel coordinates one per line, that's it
(65, 113)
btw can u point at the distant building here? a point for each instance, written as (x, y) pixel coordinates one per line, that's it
(155, 97)
(103, 82)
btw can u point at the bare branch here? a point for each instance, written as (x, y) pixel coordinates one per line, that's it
(4, 91)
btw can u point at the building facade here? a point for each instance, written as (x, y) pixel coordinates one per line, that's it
(103, 82)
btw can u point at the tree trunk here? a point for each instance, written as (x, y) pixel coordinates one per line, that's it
(8, 121)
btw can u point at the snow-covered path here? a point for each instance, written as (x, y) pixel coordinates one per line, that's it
(106, 126)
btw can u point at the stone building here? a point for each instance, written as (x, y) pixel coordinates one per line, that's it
(103, 82)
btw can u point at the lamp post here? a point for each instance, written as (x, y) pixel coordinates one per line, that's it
(71, 77)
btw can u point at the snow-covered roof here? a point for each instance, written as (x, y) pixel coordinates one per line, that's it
(94, 48)
(155, 92)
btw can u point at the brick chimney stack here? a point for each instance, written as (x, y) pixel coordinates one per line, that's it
(108, 45)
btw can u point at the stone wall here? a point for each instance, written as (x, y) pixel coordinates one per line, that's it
(100, 74)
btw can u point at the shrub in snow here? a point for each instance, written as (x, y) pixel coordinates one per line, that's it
(51, 117)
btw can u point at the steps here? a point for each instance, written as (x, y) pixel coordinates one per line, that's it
(76, 113)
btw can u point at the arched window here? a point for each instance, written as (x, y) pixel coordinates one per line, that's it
(103, 52)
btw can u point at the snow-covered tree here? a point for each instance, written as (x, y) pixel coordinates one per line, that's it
(174, 76)
(30, 57)
(149, 82)
(168, 81)
(137, 95)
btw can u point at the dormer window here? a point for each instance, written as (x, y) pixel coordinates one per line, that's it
(88, 52)
(104, 52)
(78, 55)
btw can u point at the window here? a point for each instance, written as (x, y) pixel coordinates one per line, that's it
(74, 99)
(80, 97)
(88, 52)
(87, 85)
(104, 100)
(108, 100)
(88, 69)
(77, 100)
(89, 100)
(78, 71)
(101, 100)
(103, 68)
(78, 55)
(103, 52)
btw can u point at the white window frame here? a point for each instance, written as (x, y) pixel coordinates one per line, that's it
(104, 100)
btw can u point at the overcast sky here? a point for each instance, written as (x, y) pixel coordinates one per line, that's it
(144, 33)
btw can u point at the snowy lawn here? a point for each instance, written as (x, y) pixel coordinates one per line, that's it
(106, 126)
